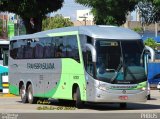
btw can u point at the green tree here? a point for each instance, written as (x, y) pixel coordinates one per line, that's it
(150, 11)
(110, 11)
(138, 29)
(146, 10)
(31, 11)
(151, 43)
(57, 21)
(156, 12)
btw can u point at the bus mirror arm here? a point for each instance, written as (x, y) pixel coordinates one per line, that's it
(152, 52)
(93, 51)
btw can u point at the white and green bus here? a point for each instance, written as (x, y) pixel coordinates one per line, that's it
(86, 64)
(4, 46)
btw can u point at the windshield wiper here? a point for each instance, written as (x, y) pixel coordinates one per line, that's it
(116, 72)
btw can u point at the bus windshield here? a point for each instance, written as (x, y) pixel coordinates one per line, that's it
(120, 62)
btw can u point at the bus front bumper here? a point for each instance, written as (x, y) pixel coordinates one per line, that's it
(120, 96)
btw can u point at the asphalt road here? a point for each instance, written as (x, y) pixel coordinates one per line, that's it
(13, 105)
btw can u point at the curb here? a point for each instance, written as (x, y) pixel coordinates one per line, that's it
(7, 95)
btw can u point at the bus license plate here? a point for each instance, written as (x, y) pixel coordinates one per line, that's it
(123, 97)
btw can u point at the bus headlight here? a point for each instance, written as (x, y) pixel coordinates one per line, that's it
(102, 87)
(143, 88)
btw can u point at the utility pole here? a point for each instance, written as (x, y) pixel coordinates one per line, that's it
(156, 29)
(18, 25)
(85, 19)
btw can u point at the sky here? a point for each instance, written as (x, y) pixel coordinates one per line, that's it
(69, 9)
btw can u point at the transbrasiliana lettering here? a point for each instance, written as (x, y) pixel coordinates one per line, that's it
(40, 65)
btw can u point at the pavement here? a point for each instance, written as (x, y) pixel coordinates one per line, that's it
(6, 95)
(11, 106)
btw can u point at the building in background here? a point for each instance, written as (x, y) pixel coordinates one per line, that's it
(7, 25)
(4, 19)
(84, 17)
(84, 13)
(67, 17)
(12, 25)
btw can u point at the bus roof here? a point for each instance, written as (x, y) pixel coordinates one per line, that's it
(96, 31)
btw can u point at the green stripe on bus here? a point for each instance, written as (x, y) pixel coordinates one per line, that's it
(83, 83)
(13, 89)
(142, 85)
(49, 93)
(139, 86)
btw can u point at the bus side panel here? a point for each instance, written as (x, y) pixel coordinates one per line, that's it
(90, 87)
(51, 83)
(13, 78)
(13, 84)
(49, 78)
(72, 73)
(76, 72)
(42, 74)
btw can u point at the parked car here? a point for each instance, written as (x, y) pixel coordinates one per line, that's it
(158, 86)
(157, 54)
(155, 79)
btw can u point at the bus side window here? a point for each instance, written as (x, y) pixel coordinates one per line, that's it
(88, 63)
(1, 54)
(48, 50)
(59, 51)
(66, 47)
(38, 50)
(13, 49)
(89, 40)
(58, 47)
(20, 52)
(72, 48)
(5, 57)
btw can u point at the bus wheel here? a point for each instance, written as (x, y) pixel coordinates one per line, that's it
(23, 94)
(62, 101)
(31, 99)
(149, 97)
(123, 105)
(77, 98)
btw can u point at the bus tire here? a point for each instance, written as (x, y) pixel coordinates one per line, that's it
(79, 104)
(149, 97)
(123, 105)
(31, 98)
(23, 94)
(62, 101)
